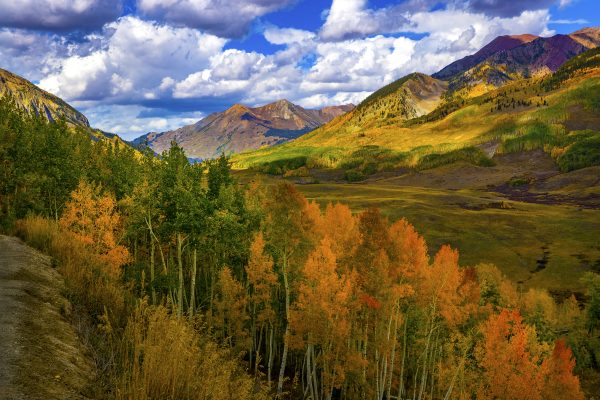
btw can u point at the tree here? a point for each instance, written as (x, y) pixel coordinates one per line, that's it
(320, 321)
(231, 310)
(262, 282)
(93, 220)
(287, 231)
(557, 370)
(509, 359)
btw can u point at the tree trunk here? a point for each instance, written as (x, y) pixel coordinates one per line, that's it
(152, 272)
(180, 268)
(270, 362)
(287, 327)
(193, 282)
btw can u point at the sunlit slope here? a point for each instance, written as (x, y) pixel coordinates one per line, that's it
(34, 100)
(517, 114)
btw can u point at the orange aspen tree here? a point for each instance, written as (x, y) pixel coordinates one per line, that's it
(319, 321)
(93, 220)
(557, 370)
(509, 359)
(262, 282)
(231, 310)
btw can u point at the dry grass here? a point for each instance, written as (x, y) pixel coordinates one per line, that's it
(86, 279)
(167, 359)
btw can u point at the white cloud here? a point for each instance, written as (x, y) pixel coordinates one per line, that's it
(129, 122)
(350, 18)
(136, 57)
(277, 35)
(569, 21)
(226, 18)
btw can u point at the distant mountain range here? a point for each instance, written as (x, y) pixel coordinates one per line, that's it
(36, 101)
(242, 128)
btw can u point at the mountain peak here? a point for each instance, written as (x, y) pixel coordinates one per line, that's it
(500, 43)
(242, 128)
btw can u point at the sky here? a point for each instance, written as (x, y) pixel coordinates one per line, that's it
(135, 66)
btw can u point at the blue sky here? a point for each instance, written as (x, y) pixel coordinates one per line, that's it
(134, 66)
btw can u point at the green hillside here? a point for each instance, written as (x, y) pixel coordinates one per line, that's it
(555, 113)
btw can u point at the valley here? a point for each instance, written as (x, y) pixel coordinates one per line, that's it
(479, 211)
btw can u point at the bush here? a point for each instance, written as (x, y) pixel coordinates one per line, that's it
(534, 136)
(354, 175)
(280, 167)
(472, 155)
(581, 154)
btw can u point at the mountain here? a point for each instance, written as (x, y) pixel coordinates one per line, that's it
(501, 43)
(242, 128)
(34, 100)
(410, 97)
(514, 57)
(418, 122)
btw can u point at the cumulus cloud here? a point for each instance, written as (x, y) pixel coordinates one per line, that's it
(136, 60)
(225, 18)
(131, 121)
(350, 19)
(58, 15)
(277, 35)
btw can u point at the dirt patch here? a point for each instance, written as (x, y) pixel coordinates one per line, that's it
(498, 205)
(526, 193)
(41, 356)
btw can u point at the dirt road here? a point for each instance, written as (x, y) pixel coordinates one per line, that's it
(40, 356)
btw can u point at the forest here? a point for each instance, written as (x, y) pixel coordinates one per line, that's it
(194, 286)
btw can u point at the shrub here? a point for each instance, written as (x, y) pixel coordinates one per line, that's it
(581, 154)
(473, 155)
(354, 175)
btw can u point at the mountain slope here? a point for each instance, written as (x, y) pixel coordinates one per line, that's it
(557, 112)
(34, 100)
(242, 128)
(504, 59)
(501, 43)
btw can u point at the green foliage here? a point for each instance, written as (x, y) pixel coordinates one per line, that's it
(581, 154)
(533, 136)
(592, 282)
(472, 155)
(42, 163)
(281, 166)
(354, 175)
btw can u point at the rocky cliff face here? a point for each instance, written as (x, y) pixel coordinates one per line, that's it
(242, 128)
(36, 101)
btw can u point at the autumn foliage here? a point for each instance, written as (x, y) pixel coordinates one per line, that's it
(201, 289)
